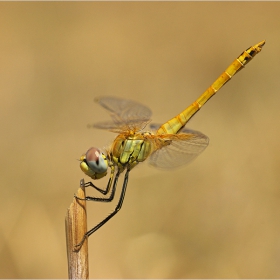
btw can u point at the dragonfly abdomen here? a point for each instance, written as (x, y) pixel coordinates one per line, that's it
(178, 122)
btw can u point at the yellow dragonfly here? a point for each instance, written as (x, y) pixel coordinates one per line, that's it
(171, 145)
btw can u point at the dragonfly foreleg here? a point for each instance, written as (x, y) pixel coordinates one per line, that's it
(90, 184)
(117, 209)
(104, 199)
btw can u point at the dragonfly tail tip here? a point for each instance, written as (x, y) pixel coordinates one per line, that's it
(261, 44)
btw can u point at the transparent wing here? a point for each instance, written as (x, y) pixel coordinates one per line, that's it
(125, 114)
(185, 147)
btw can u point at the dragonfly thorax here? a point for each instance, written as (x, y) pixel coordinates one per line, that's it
(130, 150)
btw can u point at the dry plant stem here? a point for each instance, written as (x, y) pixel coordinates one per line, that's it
(76, 227)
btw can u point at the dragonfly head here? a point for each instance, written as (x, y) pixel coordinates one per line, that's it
(94, 163)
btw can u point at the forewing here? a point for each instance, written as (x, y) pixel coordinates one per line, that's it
(184, 147)
(125, 114)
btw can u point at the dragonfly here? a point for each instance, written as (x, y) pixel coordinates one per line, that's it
(167, 146)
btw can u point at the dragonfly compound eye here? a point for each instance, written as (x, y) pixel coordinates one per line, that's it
(94, 163)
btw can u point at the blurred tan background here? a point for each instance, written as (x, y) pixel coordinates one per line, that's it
(216, 218)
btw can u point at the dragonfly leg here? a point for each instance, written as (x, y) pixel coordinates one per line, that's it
(90, 184)
(104, 199)
(117, 209)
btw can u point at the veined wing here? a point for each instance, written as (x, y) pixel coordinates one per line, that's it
(125, 114)
(184, 148)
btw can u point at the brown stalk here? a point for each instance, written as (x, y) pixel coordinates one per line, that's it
(76, 227)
